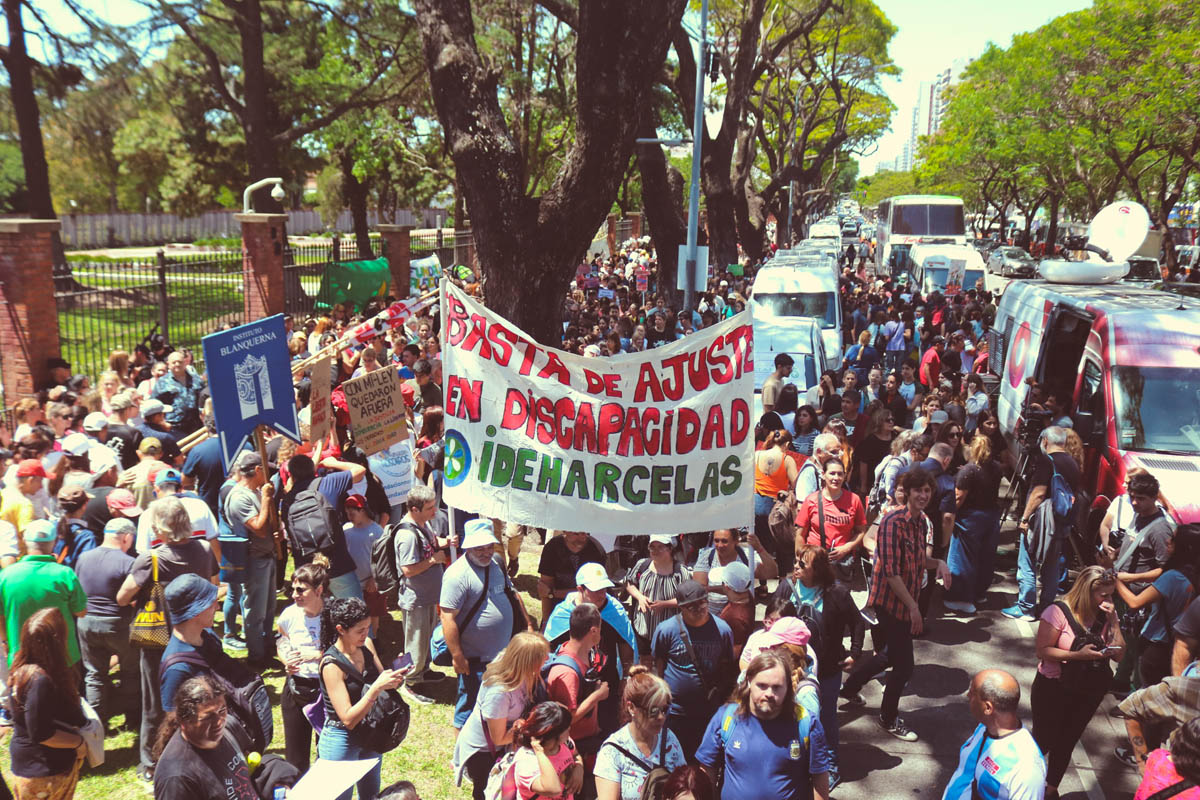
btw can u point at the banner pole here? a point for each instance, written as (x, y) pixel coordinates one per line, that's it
(261, 443)
(344, 342)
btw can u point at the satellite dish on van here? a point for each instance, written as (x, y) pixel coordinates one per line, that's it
(1113, 236)
(1119, 229)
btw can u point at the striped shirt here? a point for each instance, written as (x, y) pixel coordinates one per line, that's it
(899, 551)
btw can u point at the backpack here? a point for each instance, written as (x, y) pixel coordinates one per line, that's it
(656, 776)
(803, 727)
(586, 687)
(1061, 495)
(383, 559)
(245, 693)
(386, 722)
(502, 778)
(311, 521)
(878, 495)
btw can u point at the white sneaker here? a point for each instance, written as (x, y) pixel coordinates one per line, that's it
(412, 697)
(960, 606)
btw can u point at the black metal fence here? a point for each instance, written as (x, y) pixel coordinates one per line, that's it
(304, 265)
(115, 305)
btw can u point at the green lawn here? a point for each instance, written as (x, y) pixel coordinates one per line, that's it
(423, 758)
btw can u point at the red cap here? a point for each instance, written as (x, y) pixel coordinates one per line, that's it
(356, 501)
(122, 501)
(29, 468)
(410, 397)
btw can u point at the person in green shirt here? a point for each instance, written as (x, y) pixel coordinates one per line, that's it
(38, 581)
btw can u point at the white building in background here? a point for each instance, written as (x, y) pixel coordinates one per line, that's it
(929, 110)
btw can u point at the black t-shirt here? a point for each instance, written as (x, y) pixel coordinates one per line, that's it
(981, 482)
(1066, 467)
(870, 451)
(560, 563)
(96, 514)
(124, 440)
(185, 772)
(36, 713)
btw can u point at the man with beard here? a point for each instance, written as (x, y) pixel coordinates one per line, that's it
(476, 583)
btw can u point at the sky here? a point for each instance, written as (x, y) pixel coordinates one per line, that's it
(932, 33)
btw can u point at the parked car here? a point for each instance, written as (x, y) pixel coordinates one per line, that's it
(1012, 262)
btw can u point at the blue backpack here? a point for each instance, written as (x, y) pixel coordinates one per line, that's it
(803, 725)
(1062, 498)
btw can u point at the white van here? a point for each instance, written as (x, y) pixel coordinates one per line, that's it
(826, 230)
(945, 268)
(785, 293)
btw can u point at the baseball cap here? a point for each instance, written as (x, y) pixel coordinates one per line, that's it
(71, 498)
(938, 416)
(477, 533)
(188, 596)
(151, 444)
(121, 401)
(168, 476)
(30, 468)
(151, 407)
(788, 630)
(737, 576)
(101, 459)
(689, 592)
(248, 462)
(122, 501)
(663, 538)
(76, 444)
(119, 525)
(40, 530)
(95, 421)
(356, 501)
(593, 576)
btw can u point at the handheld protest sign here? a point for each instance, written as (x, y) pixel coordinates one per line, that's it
(654, 442)
(376, 406)
(250, 377)
(321, 408)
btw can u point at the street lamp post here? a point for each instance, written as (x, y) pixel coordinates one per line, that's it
(689, 293)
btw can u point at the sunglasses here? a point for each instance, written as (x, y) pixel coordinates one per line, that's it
(657, 711)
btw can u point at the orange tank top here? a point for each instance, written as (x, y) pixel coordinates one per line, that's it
(771, 484)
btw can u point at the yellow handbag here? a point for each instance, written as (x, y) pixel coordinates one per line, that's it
(149, 628)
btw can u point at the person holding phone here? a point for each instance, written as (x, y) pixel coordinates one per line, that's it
(352, 678)
(300, 650)
(1077, 637)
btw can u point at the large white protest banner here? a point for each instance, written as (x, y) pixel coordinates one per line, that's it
(376, 408)
(653, 442)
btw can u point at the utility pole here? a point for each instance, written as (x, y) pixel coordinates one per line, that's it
(689, 293)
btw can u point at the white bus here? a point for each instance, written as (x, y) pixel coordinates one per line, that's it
(904, 220)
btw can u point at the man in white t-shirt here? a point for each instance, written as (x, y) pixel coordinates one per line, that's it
(167, 483)
(1000, 759)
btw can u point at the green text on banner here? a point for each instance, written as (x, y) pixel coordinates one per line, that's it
(654, 442)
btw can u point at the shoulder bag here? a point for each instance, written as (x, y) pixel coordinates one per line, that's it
(439, 651)
(149, 628)
(1084, 677)
(714, 694)
(656, 775)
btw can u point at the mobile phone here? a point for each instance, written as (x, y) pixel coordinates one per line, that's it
(1108, 651)
(403, 662)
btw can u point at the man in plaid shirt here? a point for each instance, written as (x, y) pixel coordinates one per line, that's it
(900, 559)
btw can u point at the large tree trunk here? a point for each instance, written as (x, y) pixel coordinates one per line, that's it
(720, 202)
(662, 193)
(529, 247)
(29, 128)
(1052, 230)
(355, 192)
(262, 156)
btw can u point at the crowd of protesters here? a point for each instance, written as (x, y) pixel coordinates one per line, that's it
(700, 665)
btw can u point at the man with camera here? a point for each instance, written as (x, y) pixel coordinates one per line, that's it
(1056, 480)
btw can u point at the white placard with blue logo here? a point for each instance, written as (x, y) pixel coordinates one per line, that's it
(250, 375)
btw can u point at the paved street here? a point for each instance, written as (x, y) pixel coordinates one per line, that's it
(874, 765)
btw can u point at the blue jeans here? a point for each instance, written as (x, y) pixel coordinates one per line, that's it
(233, 574)
(830, 686)
(335, 745)
(972, 556)
(468, 691)
(258, 605)
(347, 585)
(1028, 598)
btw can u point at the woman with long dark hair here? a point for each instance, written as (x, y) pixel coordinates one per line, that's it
(806, 430)
(300, 650)
(546, 763)
(1168, 597)
(46, 748)
(972, 555)
(352, 678)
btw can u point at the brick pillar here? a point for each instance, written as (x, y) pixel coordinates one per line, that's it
(264, 237)
(28, 314)
(635, 217)
(612, 234)
(397, 246)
